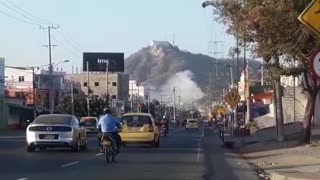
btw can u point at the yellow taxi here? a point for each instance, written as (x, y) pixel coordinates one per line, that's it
(192, 124)
(139, 128)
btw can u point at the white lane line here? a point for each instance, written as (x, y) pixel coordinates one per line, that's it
(99, 154)
(70, 164)
(22, 179)
(198, 152)
(202, 133)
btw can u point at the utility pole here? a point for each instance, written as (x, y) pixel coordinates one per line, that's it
(132, 97)
(88, 85)
(247, 84)
(34, 94)
(51, 93)
(107, 81)
(149, 101)
(174, 103)
(72, 100)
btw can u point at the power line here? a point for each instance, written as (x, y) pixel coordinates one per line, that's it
(70, 50)
(39, 23)
(18, 19)
(68, 40)
(34, 17)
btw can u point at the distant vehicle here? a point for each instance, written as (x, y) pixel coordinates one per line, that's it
(56, 130)
(139, 128)
(184, 122)
(192, 124)
(90, 124)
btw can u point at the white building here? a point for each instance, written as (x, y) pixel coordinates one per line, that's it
(18, 78)
(136, 91)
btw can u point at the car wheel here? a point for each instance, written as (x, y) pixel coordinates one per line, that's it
(31, 148)
(76, 146)
(85, 146)
(155, 143)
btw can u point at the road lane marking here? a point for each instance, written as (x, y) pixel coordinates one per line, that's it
(22, 179)
(202, 133)
(99, 154)
(70, 164)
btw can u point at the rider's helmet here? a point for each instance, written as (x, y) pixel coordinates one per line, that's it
(107, 111)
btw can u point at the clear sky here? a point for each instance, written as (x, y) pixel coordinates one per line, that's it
(104, 26)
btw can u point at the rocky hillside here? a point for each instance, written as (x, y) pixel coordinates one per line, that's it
(155, 64)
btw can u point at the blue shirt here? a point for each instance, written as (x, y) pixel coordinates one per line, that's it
(108, 124)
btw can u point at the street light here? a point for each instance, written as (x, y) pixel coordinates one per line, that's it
(51, 99)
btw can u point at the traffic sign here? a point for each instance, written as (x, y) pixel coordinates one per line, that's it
(315, 63)
(232, 98)
(310, 17)
(39, 108)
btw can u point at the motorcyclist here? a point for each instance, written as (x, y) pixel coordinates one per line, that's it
(164, 122)
(109, 125)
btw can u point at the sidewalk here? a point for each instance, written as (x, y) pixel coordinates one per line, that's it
(280, 161)
(288, 158)
(8, 134)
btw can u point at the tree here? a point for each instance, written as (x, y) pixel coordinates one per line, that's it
(277, 36)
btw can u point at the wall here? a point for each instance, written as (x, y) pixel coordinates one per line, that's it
(3, 117)
(12, 78)
(117, 84)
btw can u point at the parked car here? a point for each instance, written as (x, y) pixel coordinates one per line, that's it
(56, 130)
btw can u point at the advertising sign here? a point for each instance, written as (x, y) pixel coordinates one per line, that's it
(98, 62)
(2, 77)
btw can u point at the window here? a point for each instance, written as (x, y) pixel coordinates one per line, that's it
(96, 84)
(114, 97)
(114, 84)
(21, 78)
(85, 84)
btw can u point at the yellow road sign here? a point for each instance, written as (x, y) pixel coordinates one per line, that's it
(310, 17)
(232, 98)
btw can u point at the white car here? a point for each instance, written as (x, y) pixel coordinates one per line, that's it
(90, 124)
(56, 130)
(192, 124)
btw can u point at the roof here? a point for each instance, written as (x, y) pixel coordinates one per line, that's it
(53, 119)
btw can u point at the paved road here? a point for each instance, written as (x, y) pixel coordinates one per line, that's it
(182, 156)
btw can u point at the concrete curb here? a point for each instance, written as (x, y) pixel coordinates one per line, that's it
(272, 127)
(12, 137)
(295, 175)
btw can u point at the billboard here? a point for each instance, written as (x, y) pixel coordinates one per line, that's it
(2, 77)
(98, 62)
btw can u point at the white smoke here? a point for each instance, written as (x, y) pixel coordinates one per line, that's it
(186, 88)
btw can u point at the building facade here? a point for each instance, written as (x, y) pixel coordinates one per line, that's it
(118, 84)
(3, 119)
(135, 90)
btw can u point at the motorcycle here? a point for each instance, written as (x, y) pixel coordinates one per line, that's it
(107, 149)
(163, 130)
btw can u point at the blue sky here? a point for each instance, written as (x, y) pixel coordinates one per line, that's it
(105, 26)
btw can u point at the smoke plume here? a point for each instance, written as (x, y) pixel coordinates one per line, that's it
(186, 88)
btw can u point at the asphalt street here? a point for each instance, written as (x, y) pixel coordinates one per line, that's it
(182, 156)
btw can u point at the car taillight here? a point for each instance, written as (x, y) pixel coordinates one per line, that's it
(32, 128)
(151, 129)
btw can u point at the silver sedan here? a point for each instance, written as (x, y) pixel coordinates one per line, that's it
(56, 130)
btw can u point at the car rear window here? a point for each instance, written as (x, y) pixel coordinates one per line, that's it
(136, 120)
(53, 119)
(89, 121)
(192, 121)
